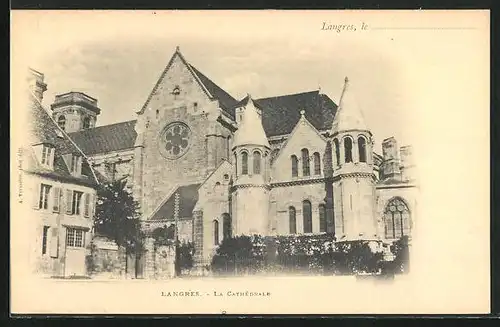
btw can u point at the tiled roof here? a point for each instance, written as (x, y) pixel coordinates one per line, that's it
(106, 138)
(280, 114)
(44, 130)
(188, 196)
(226, 101)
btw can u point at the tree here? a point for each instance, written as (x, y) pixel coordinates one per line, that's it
(401, 252)
(239, 254)
(164, 235)
(117, 216)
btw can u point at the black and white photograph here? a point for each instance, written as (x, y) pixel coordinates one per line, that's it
(188, 162)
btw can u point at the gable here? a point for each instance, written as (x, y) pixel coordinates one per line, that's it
(304, 135)
(216, 185)
(177, 64)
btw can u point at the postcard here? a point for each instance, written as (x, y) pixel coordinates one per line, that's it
(250, 162)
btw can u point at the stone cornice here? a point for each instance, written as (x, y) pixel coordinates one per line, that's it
(298, 182)
(235, 187)
(392, 186)
(354, 175)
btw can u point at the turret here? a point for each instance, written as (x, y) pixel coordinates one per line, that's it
(352, 159)
(251, 170)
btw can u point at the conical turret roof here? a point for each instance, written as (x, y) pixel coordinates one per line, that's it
(349, 115)
(250, 130)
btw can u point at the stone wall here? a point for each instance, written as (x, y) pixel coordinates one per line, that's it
(159, 261)
(106, 259)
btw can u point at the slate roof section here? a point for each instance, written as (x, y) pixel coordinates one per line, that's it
(188, 196)
(108, 138)
(280, 114)
(43, 129)
(226, 101)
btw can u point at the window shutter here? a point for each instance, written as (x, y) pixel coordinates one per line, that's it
(38, 152)
(36, 196)
(69, 201)
(54, 242)
(86, 203)
(56, 201)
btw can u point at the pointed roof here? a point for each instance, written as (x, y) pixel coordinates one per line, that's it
(250, 130)
(349, 115)
(212, 90)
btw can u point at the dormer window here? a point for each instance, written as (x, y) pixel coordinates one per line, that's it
(76, 164)
(45, 154)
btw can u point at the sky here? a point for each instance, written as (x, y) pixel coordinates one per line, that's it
(117, 58)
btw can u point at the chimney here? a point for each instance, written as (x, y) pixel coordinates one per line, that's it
(36, 83)
(391, 164)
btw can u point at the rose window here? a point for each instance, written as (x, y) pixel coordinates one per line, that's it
(175, 140)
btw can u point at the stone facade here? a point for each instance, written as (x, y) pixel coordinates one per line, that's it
(310, 178)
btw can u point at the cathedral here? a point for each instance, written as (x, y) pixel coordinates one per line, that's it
(290, 164)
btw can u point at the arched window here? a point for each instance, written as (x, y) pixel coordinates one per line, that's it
(348, 149)
(295, 166)
(396, 219)
(292, 220)
(337, 151)
(307, 215)
(305, 163)
(216, 232)
(61, 121)
(317, 164)
(256, 162)
(244, 163)
(226, 226)
(362, 149)
(86, 122)
(322, 218)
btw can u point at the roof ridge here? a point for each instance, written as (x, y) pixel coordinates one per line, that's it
(285, 95)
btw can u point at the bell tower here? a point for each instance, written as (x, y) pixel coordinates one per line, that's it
(352, 175)
(75, 111)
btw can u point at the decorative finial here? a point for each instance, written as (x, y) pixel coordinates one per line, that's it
(302, 113)
(346, 79)
(177, 49)
(249, 96)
